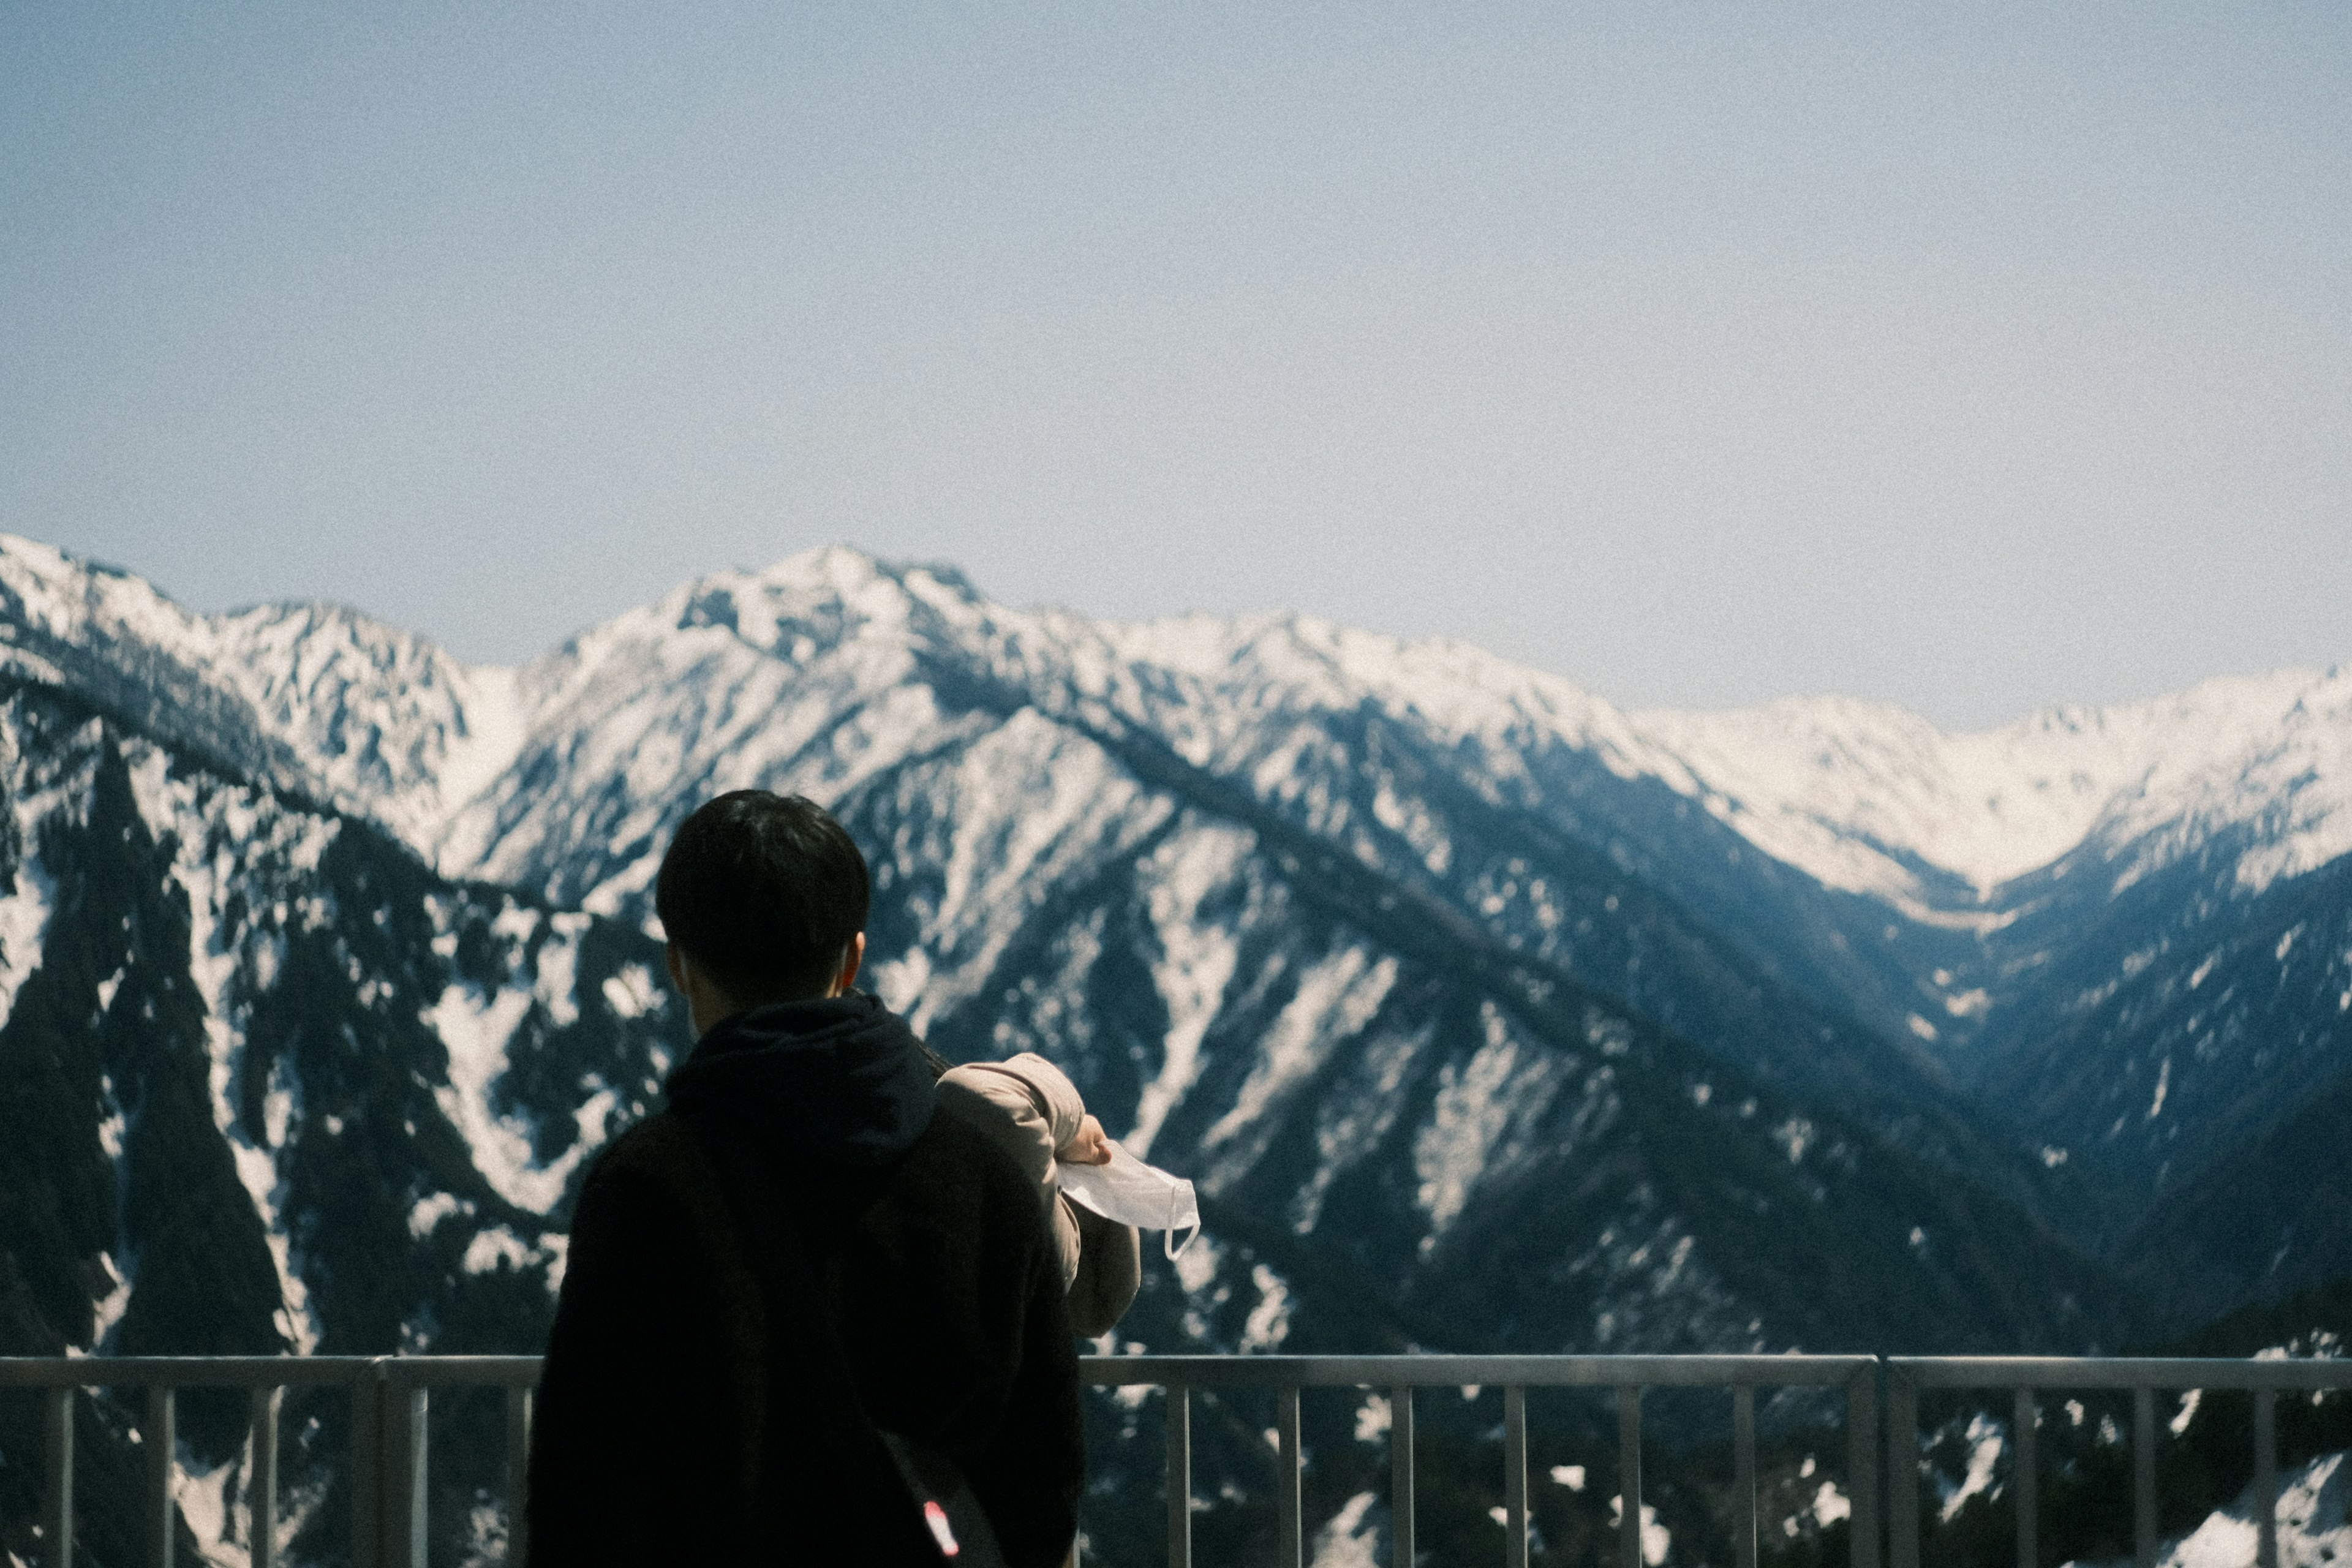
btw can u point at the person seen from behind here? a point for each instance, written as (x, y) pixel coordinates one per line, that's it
(805, 1318)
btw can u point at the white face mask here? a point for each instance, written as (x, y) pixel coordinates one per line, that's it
(1133, 1193)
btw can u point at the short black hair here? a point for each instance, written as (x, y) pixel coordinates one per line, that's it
(764, 893)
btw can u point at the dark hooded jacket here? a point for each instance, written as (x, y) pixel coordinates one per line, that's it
(681, 1416)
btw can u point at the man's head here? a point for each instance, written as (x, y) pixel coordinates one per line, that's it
(763, 898)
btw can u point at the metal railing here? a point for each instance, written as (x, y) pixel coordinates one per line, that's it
(390, 1400)
(2026, 1376)
(1399, 1376)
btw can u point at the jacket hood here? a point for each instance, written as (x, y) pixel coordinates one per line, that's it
(839, 1081)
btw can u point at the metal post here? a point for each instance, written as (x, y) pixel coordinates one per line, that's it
(404, 1505)
(261, 1480)
(517, 1475)
(1743, 1477)
(1902, 1469)
(1180, 1476)
(1515, 1473)
(367, 1469)
(1292, 1547)
(2144, 1477)
(1401, 1551)
(2266, 1553)
(2025, 1480)
(1862, 1470)
(161, 1440)
(1629, 1477)
(57, 1538)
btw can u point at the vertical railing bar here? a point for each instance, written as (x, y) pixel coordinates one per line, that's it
(1400, 1482)
(409, 1549)
(1628, 1476)
(1288, 1524)
(1902, 1481)
(161, 1438)
(1866, 1496)
(261, 1480)
(2144, 1477)
(1180, 1476)
(2025, 1483)
(2266, 1553)
(1743, 1477)
(1515, 1472)
(59, 1541)
(519, 1475)
(367, 1468)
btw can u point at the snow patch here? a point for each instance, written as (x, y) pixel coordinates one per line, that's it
(1269, 1322)
(1484, 1112)
(2313, 1530)
(431, 1210)
(1656, 1540)
(1335, 999)
(1348, 1540)
(23, 917)
(494, 1246)
(475, 1029)
(1196, 961)
(1985, 1440)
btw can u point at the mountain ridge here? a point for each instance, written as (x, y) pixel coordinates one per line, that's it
(1482, 1012)
(1425, 771)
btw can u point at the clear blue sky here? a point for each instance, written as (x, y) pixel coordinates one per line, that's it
(1971, 358)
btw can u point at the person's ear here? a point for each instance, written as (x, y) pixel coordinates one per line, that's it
(675, 961)
(852, 957)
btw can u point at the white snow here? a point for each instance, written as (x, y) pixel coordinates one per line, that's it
(493, 1245)
(2313, 1530)
(207, 1502)
(475, 1029)
(1196, 961)
(1269, 1320)
(1336, 997)
(1348, 1540)
(632, 992)
(1196, 1266)
(109, 1307)
(431, 1210)
(1656, 1540)
(24, 913)
(1482, 1119)
(804, 681)
(1985, 1440)
(1838, 787)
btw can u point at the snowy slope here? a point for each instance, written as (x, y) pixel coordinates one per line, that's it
(1863, 798)
(1830, 895)
(266, 1083)
(1862, 795)
(1483, 1012)
(319, 698)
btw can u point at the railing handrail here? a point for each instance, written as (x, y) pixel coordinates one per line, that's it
(1446, 1371)
(2122, 1371)
(390, 1398)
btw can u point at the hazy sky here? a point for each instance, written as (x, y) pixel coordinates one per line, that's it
(1969, 358)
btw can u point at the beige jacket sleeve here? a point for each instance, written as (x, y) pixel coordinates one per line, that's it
(1032, 1109)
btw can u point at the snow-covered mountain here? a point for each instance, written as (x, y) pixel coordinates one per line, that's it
(1487, 1015)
